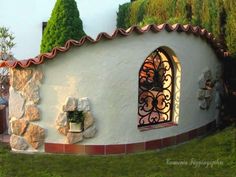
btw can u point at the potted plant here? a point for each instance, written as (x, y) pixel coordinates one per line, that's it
(76, 120)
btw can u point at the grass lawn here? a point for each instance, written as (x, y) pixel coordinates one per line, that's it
(211, 156)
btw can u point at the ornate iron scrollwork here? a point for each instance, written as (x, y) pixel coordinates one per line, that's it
(155, 89)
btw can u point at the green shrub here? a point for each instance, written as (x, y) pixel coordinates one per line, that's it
(231, 25)
(231, 32)
(123, 16)
(75, 116)
(160, 9)
(141, 11)
(206, 16)
(64, 24)
(183, 11)
(217, 16)
(196, 9)
(137, 10)
(215, 11)
(148, 20)
(175, 20)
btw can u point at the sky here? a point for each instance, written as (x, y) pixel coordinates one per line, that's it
(24, 19)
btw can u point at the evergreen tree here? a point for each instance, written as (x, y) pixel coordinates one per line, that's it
(123, 16)
(64, 24)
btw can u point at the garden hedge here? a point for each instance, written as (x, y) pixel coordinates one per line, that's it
(217, 16)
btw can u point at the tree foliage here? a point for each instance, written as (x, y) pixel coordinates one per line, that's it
(197, 8)
(123, 16)
(141, 11)
(137, 10)
(6, 43)
(64, 24)
(231, 25)
(160, 9)
(217, 16)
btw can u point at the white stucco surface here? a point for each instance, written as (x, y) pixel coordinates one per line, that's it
(24, 18)
(107, 73)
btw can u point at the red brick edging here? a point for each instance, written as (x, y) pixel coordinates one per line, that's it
(128, 148)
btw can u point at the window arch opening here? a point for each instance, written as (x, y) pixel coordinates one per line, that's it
(157, 100)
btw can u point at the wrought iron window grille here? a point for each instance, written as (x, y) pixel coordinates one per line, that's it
(156, 88)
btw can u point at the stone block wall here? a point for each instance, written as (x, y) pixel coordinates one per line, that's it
(24, 113)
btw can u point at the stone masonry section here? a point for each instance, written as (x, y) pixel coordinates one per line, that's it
(24, 113)
(209, 87)
(72, 104)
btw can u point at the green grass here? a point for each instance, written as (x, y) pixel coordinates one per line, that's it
(218, 150)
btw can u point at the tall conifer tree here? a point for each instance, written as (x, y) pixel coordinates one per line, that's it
(64, 24)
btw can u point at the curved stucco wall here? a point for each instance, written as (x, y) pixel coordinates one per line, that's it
(107, 73)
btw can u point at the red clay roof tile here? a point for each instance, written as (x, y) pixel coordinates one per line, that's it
(203, 33)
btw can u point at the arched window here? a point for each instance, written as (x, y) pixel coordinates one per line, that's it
(156, 89)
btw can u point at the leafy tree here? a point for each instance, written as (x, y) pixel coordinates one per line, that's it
(6, 44)
(64, 24)
(231, 25)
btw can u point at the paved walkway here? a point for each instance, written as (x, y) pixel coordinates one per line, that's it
(4, 138)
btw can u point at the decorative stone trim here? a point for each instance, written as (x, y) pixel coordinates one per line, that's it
(71, 104)
(209, 86)
(18, 142)
(17, 103)
(35, 136)
(62, 124)
(23, 109)
(32, 113)
(206, 84)
(129, 148)
(19, 78)
(19, 126)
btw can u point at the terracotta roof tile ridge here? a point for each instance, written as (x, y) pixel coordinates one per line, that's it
(196, 30)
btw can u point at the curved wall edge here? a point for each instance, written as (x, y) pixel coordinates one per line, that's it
(129, 148)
